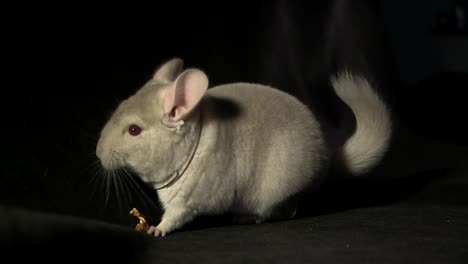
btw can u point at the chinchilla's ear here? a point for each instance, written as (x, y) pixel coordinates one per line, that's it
(184, 94)
(169, 71)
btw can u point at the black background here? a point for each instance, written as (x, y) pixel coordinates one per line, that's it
(71, 65)
(68, 66)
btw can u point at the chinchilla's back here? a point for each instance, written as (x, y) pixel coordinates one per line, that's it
(276, 140)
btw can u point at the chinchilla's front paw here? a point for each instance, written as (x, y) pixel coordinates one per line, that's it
(156, 231)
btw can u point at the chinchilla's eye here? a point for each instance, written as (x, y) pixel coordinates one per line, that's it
(134, 130)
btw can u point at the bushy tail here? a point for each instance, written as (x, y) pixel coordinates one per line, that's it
(366, 147)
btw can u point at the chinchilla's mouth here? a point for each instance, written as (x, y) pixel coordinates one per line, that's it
(113, 161)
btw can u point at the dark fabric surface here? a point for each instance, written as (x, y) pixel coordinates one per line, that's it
(423, 219)
(71, 68)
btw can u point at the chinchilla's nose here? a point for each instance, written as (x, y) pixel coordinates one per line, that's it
(103, 154)
(99, 149)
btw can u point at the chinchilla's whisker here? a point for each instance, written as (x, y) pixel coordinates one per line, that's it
(148, 202)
